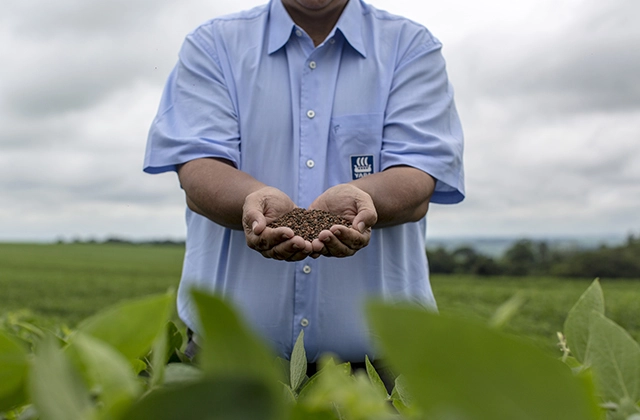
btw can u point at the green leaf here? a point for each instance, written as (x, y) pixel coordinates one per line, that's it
(377, 383)
(175, 339)
(401, 391)
(138, 366)
(325, 362)
(181, 373)
(107, 372)
(354, 396)
(283, 369)
(159, 357)
(402, 400)
(56, 388)
(131, 327)
(221, 397)
(229, 347)
(614, 357)
(13, 372)
(26, 412)
(629, 409)
(301, 412)
(457, 368)
(576, 326)
(573, 363)
(309, 385)
(406, 412)
(288, 394)
(298, 365)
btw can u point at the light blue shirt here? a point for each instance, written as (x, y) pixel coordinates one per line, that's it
(252, 88)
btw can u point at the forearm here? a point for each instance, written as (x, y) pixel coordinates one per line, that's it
(400, 194)
(217, 190)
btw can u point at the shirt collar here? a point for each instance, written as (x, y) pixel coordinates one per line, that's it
(280, 26)
(349, 24)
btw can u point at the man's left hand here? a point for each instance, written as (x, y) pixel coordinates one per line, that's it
(353, 204)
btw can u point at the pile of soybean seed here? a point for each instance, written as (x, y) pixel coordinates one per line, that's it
(309, 223)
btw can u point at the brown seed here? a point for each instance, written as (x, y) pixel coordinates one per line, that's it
(309, 223)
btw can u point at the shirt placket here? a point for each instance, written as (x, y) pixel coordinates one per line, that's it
(317, 82)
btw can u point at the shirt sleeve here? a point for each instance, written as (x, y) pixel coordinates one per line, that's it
(196, 117)
(422, 128)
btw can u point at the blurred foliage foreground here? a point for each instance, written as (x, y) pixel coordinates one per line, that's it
(126, 363)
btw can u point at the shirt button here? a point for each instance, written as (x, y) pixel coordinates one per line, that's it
(311, 113)
(304, 322)
(312, 64)
(306, 269)
(310, 164)
(332, 41)
(298, 32)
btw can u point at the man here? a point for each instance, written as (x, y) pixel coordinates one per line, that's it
(320, 104)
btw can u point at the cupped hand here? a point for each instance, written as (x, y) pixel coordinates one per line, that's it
(353, 204)
(263, 207)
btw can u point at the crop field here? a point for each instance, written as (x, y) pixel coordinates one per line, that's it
(68, 282)
(547, 301)
(65, 283)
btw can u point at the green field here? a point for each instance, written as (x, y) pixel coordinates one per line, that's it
(68, 282)
(547, 302)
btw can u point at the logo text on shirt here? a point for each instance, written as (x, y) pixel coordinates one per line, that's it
(361, 166)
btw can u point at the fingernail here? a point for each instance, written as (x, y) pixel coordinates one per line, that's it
(296, 247)
(361, 227)
(337, 233)
(327, 239)
(253, 226)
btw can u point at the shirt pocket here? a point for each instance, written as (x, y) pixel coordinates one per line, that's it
(355, 143)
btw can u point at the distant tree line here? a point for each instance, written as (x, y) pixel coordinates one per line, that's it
(526, 257)
(124, 241)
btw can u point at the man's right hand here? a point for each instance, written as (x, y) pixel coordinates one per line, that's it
(263, 207)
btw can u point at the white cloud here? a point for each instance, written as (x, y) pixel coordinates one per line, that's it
(92, 183)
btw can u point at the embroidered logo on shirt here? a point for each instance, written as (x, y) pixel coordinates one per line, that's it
(361, 166)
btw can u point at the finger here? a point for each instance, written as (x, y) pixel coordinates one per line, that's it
(365, 219)
(333, 246)
(269, 238)
(317, 246)
(352, 238)
(298, 256)
(254, 221)
(294, 249)
(280, 256)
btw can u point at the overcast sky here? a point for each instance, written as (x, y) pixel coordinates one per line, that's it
(548, 92)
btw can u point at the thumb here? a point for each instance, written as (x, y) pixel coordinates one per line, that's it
(366, 218)
(253, 218)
